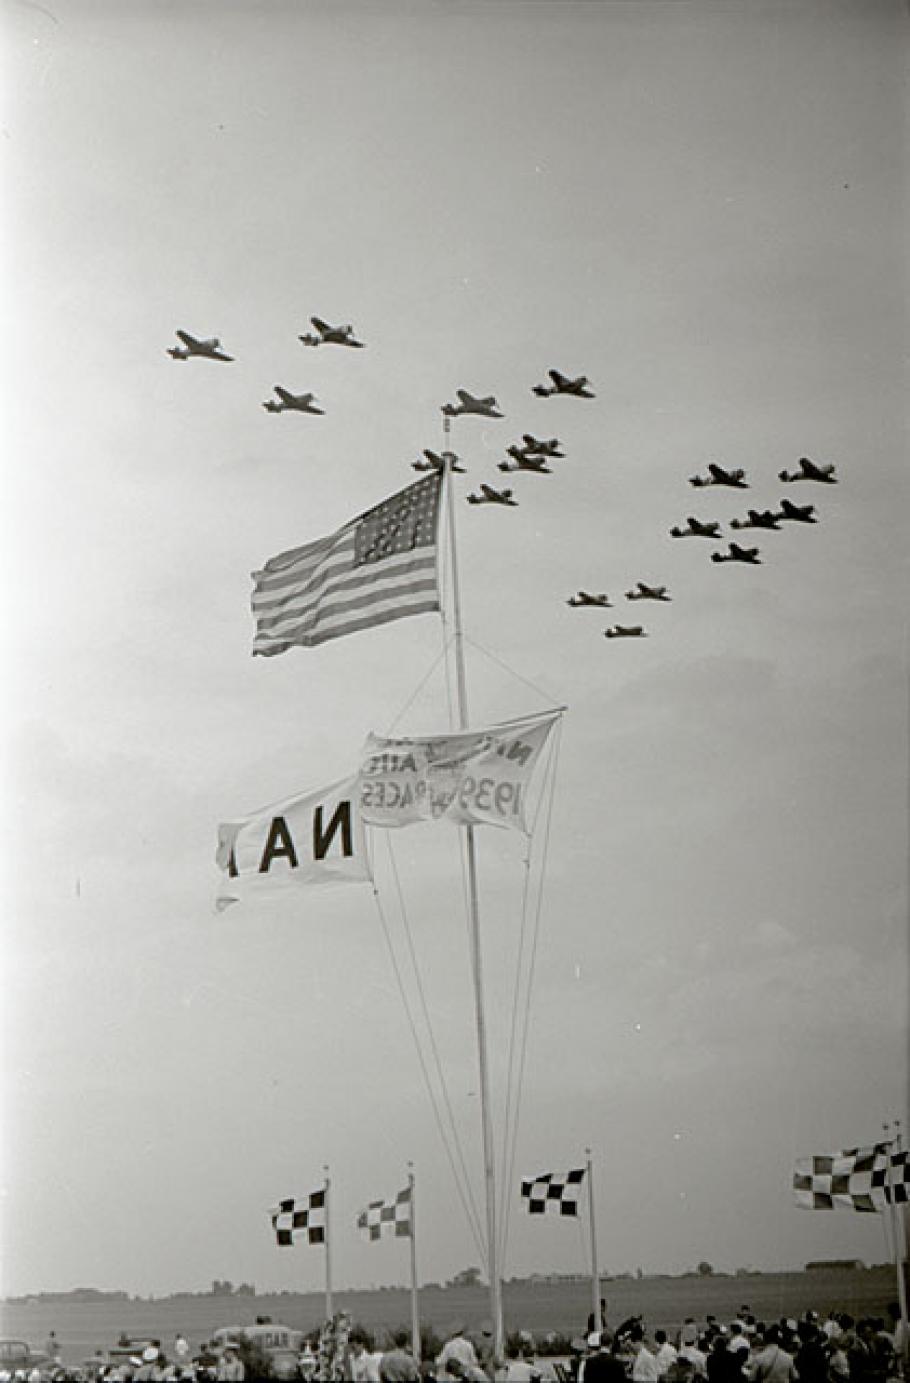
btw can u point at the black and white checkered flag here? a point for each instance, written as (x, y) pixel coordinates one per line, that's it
(389, 1217)
(556, 1192)
(854, 1179)
(294, 1217)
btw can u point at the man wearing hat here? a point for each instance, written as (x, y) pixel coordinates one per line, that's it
(457, 1346)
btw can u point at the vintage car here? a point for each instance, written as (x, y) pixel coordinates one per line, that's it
(279, 1343)
(19, 1355)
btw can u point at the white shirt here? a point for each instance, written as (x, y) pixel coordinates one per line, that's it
(665, 1356)
(645, 1369)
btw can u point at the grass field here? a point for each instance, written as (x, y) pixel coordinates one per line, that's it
(539, 1307)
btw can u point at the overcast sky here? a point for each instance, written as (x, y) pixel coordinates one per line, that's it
(699, 205)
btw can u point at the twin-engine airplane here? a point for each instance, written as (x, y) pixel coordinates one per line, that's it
(207, 350)
(696, 529)
(580, 387)
(490, 496)
(331, 336)
(808, 470)
(301, 403)
(538, 464)
(533, 447)
(585, 598)
(718, 476)
(486, 407)
(435, 462)
(643, 592)
(758, 519)
(798, 513)
(738, 554)
(625, 631)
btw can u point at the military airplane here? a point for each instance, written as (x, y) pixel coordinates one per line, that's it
(643, 592)
(435, 462)
(738, 554)
(625, 631)
(537, 464)
(756, 519)
(207, 350)
(718, 476)
(467, 403)
(533, 447)
(799, 513)
(580, 387)
(331, 336)
(601, 600)
(696, 529)
(490, 496)
(300, 403)
(809, 471)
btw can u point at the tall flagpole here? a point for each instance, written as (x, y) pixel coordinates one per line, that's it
(415, 1315)
(477, 964)
(900, 1250)
(328, 1256)
(599, 1322)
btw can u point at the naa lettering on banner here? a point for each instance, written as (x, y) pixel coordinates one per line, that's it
(313, 838)
(477, 777)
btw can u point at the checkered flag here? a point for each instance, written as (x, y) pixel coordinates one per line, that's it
(557, 1192)
(854, 1179)
(294, 1217)
(391, 1217)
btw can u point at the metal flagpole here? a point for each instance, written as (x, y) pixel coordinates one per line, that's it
(595, 1275)
(415, 1316)
(477, 965)
(900, 1253)
(328, 1256)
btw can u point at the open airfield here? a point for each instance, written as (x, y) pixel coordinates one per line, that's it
(536, 1306)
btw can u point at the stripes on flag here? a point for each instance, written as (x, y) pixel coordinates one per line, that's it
(379, 567)
(294, 1217)
(854, 1179)
(556, 1192)
(389, 1217)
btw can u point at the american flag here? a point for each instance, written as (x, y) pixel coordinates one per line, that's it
(379, 567)
(853, 1179)
(391, 1217)
(295, 1217)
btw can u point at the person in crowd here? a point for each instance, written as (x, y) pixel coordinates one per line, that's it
(364, 1365)
(664, 1353)
(519, 1366)
(811, 1359)
(737, 1343)
(593, 1323)
(694, 1349)
(307, 1363)
(603, 1364)
(398, 1364)
(230, 1366)
(721, 1365)
(457, 1346)
(772, 1363)
(644, 1365)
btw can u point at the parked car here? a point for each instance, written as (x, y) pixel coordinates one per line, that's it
(18, 1354)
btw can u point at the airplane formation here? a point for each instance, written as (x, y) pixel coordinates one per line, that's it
(532, 454)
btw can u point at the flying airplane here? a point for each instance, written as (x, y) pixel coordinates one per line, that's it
(208, 350)
(486, 407)
(756, 519)
(537, 464)
(625, 631)
(331, 336)
(435, 462)
(738, 554)
(585, 598)
(533, 447)
(696, 529)
(643, 592)
(561, 385)
(301, 403)
(718, 476)
(490, 496)
(799, 513)
(809, 471)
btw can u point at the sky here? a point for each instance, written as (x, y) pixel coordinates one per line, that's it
(701, 207)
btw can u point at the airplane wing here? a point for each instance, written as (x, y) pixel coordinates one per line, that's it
(187, 339)
(557, 378)
(717, 471)
(489, 492)
(284, 394)
(465, 397)
(321, 326)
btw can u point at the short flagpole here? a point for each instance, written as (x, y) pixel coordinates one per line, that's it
(415, 1315)
(599, 1323)
(328, 1253)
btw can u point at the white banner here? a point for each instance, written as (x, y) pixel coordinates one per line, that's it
(477, 777)
(313, 838)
